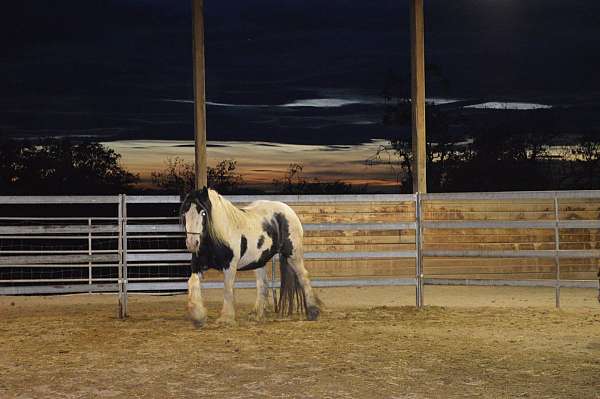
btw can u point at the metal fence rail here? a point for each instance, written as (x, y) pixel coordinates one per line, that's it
(127, 267)
(61, 254)
(555, 225)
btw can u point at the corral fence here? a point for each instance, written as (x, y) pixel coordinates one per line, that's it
(71, 244)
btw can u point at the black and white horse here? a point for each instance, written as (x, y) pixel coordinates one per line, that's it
(221, 236)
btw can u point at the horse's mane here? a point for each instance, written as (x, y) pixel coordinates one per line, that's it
(222, 213)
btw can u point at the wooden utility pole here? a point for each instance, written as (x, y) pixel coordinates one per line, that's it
(417, 76)
(199, 92)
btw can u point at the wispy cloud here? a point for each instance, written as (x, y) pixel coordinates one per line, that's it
(509, 105)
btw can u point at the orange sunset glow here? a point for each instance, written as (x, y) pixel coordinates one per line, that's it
(261, 162)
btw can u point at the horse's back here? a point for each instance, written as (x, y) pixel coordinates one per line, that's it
(266, 207)
(276, 209)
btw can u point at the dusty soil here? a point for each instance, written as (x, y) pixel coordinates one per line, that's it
(370, 343)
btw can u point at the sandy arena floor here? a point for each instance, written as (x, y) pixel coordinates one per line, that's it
(490, 342)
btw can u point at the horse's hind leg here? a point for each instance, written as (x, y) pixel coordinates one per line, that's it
(313, 303)
(598, 284)
(262, 294)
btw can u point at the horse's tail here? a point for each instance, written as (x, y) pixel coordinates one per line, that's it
(291, 295)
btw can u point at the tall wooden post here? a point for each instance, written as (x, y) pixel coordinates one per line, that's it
(419, 142)
(199, 92)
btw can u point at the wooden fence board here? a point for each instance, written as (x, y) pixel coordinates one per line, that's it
(356, 218)
(488, 216)
(355, 247)
(354, 208)
(360, 240)
(358, 233)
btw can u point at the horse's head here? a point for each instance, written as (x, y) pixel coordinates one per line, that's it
(195, 213)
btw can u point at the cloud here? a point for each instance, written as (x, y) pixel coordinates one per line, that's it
(509, 105)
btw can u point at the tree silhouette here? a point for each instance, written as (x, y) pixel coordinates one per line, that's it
(487, 150)
(223, 177)
(61, 167)
(586, 157)
(293, 182)
(441, 142)
(179, 176)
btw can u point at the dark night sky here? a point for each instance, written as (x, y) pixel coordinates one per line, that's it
(105, 67)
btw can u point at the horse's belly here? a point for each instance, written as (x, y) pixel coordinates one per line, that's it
(254, 259)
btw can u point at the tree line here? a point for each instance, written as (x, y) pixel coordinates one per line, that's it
(178, 176)
(61, 166)
(492, 151)
(492, 162)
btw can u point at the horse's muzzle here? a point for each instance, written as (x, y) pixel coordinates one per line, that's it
(192, 242)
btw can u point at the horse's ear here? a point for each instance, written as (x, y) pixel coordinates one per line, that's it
(202, 194)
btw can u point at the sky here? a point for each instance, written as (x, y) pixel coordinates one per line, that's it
(287, 71)
(262, 162)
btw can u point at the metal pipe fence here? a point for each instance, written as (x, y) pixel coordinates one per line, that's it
(557, 253)
(136, 245)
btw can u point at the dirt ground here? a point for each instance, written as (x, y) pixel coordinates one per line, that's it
(490, 342)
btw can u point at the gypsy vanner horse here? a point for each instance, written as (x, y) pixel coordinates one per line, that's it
(224, 237)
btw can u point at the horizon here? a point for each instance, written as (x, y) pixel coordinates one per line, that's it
(345, 163)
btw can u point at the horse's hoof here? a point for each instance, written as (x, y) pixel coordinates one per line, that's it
(198, 323)
(198, 320)
(313, 312)
(197, 315)
(256, 316)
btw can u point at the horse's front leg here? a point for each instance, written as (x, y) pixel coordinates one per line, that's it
(195, 305)
(228, 311)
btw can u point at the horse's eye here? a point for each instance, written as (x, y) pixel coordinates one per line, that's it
(203, 213)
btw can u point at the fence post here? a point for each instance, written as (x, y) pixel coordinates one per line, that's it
(90, 254)
(124, 264)
(419, 257)
(120, 253)
(557, 248)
